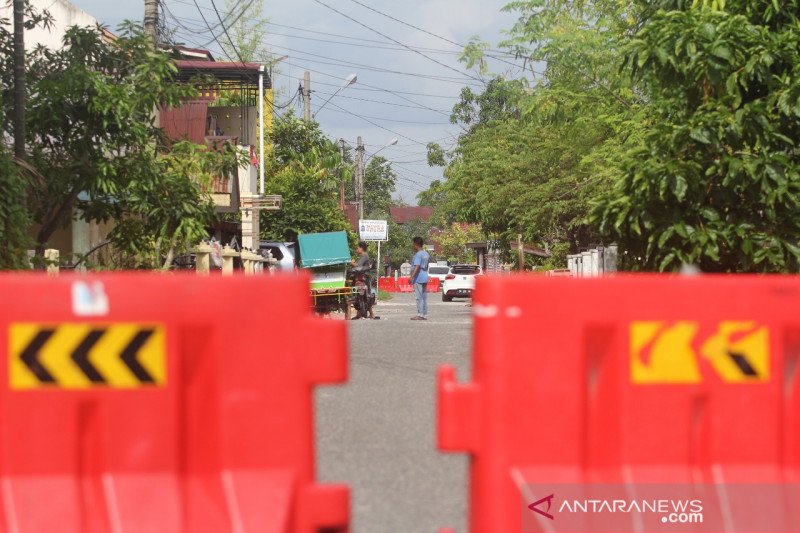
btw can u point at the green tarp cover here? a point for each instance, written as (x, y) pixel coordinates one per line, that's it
(323, 249)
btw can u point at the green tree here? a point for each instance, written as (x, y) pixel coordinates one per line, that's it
(247, 31)
(535, 156)
(717, 181)
(453, 240)
(93, 137)
(164, 215)
(304, 168)
(14, 213)
(433, 196)
(95, 153)
(379, 184)
(399, 247)
(14, 217)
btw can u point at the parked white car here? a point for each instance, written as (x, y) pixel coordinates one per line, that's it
(460, 282)
(438, 271)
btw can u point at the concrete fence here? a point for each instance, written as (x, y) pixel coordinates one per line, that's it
(593, 263)
(253, 264)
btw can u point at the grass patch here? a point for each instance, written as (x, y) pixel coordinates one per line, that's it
(384, 296)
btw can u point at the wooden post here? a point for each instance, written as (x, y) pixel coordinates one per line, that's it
(520, 253)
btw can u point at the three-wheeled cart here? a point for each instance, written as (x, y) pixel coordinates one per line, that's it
(327, 256)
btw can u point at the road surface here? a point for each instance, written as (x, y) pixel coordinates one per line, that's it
(377, 433)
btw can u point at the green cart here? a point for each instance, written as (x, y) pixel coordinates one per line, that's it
(327, 257)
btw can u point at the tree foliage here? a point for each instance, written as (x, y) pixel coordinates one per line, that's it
(717, 181)
(379, 184)
(453, 240)
(304, 168)
(537, 152)
(14, 215)
(669, 127)
(95, 153)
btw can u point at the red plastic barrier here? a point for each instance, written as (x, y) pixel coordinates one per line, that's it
(434, 285)
(143, 403)
(624, 380)
(404, 285)
(387, 284)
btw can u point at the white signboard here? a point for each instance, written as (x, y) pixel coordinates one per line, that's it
(373, 230)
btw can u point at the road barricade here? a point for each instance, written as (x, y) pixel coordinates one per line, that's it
(434, 284)
(404, 285)
(387, 284)
(632, 382)
(143, 403)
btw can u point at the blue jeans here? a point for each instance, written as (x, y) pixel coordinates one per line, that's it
(421, 294)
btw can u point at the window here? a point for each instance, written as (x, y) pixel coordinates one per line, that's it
(463, 270)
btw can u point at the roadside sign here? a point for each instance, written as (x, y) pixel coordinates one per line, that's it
(373, 230)
(79, 355)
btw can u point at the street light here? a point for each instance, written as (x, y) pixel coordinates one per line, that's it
(351, 79)
(387, 145)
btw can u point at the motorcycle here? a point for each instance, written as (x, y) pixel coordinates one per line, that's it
(363, 298)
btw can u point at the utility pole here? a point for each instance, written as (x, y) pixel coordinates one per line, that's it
(342, 142)
(360, 178)
(307, 96)
(151, 20)
(19, 79)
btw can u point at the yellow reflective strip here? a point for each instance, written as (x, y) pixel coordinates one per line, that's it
(19, 337)
(752, 351)
(671, 358)
(106, 355)
(153, 355)
(56, 356)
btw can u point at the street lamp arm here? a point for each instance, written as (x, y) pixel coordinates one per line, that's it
(351, 79)
(326, 102)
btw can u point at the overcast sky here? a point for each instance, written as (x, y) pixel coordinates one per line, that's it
(415, 119)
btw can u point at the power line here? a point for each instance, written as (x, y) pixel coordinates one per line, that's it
(417, 173)
(379, 90)
(214, 5)
(399, 121)
(341, 62)
(372, 86)
(423, 30)
(228, 15)
(210, 30)
(371, 101)
(445, 65)
(378, 125)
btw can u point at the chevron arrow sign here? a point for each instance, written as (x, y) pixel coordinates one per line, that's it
(82, 355)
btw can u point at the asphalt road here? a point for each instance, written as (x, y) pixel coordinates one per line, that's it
(378, 432)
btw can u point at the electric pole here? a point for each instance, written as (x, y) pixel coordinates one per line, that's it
(360, 178)
(307, 96)
(341, 175)
(19, 79)
(151, 20)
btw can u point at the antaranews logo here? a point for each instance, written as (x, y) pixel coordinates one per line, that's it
(535, 506)
(660, 507)
(666, 511)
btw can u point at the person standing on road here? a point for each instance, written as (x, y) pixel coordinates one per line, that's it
(419, 278)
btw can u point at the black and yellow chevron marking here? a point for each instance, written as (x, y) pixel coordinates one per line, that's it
(82, 356)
